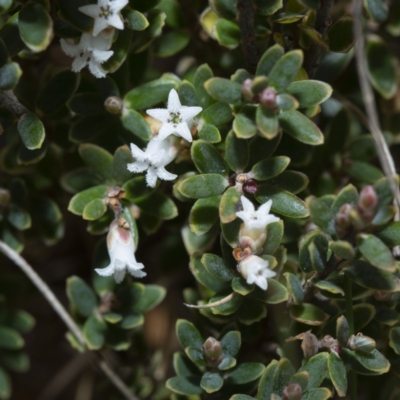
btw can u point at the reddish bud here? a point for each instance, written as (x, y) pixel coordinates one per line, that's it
(250, 186)
(267, 98)
(367, 203)
(212, 351)
(247, 93)
(342, 218)
(113, 105)
(292, 392)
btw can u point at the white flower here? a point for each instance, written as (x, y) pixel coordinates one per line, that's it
(156, 156)
(175, 118)
(105, 14)
(91, 51)
(122, 254)
(255, 222)
(255, 270)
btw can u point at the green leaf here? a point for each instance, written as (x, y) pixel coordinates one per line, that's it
(236, 152)
(94, 332)
(244, 373)
(268, 8)
(288, 18)
(204, 214)
(276, 293)
(316, 366)
(196, 356)
(205, 185)
(207, 158)
(343, 249)
(81, 296)
(282, 375)
(390, 234)
(187, 94)
(210, 133)
(31, 130)
(377, 10)
(381, 68)
(337, 373)
(5, 385)
(35, 26)
(78, 203)
(70, 13)
(135, 123)
(227, 33)
(171, 43)
(251, 311)
(292, 181)
(371, 277)
(224, 90)
(309, 92)
(294, 287)
(216, 266)
(269, 59)
(267, 123)
(135, 20)
(202, 74)
(150, 298)
(241, 397)
(136, 188)
(228, 205)
(376, 252)
(300, 127)
(10, 339)
(270, 167)
(274, 236)
(364, 172)
(340, 35)
(184, 367)
(348, 195)
(265, 386)
(286, 102)
(19, 218)
(9, 76)
(188, 335)
(194, 243)
(285, 70)
(229, 307)
(95, 209)
(374, 362)
(158, 205)
(321, 215)
(122, 157)
(308, 314)
(320, 243)
(57, 91)
(283, 202)
(317, 394)
(260, 148)
(189, 385)
(243, 124)
(217, 114)
(394, 339)
(149, 94)
(97, 158)
(211, 382)
(231, 343)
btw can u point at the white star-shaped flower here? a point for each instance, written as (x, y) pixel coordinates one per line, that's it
(255, 270)
(92, 51)
(176, 118)
(121, 249)
(153, 160)
(255, 222)
(105, 14)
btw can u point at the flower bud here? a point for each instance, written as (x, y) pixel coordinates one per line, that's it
(309, 345)
(247, 93)
(4, 197)
(259, 84)
(367, 203)
(212, 351)
(343, 220)
(250, 186)
(292, 392)
(113, 105)
(361, 343)
(381, 295)
(267, 98)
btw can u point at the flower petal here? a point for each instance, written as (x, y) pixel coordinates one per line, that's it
(108, 271)
(102, 56)
(166, 130)
(137, 166)
(151, 177)
(189, 112)
(71, 50)
(174, 105)
(183, 130)
(96, 70)
(79, 63)
(159, 113)
(138, 153)
(119, 275)
(265, 208)
(163, 174)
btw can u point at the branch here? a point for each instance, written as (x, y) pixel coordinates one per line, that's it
(9, 102)
(248, 37)
(385, 158)
(322, 22)
(215, 304)
(64, 315)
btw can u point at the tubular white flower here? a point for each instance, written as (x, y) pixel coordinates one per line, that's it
(153, 160)
(176, 118)
(91, 51)
(105, 14)
(255, 222)
(121, 249)
(255, 270)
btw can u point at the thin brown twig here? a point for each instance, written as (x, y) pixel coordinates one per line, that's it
(64, 315)
(382, 148)
(322, 22)
(248, 36)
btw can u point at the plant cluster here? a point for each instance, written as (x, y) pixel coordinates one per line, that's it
(224, 145)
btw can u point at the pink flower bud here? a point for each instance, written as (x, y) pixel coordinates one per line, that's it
(212, 351)
(342, 218)
(267, 98)
(247, 93)
(250, 186)
(367, 203)
(292, 392)
(113, 105)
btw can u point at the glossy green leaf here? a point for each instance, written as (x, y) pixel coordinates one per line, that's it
(207, 158)
(217, 114)
(283, 202)
(317, 394)
(35, 26)
(294, 287)
(171, 43)
(227, 308)
(5, 385)
(270, 167)
(269, 59)
(337, 373)
(31, 130)
(188, 335)
(321, 215)
(204, 214)
(94, 332)
(381, 69)
(211, 382)
(187, 94)
(390, 234)
(97, 158)
(348, 195)
(300, 127)
(122, 157)
(274, 237)
(340, 35)
(267, 123)
(185, 385)
(79, 201)
(285, 70)
(265, 386)
(18, 217)
(228, 205)
(135, 123)
(9, 76)
(81, 296)
(202, 74)
(135, 20)
(268, 8)
(246, 372)
(276, 293)
(309, 92)
(205, 185)
(236, 152)
(394, 339)
(209, 133)
(224, 90)
(292, 181)
(159, 205)
(227, 33)
(308, 314)
(10, 339)
(377, 10)
(244, 124)
(94, 210)
(364, 172)
(216, 266)
(316, 366)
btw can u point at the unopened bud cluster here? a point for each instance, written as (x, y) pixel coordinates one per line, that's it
(212, 351)
(257, 91)
(292, 392)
